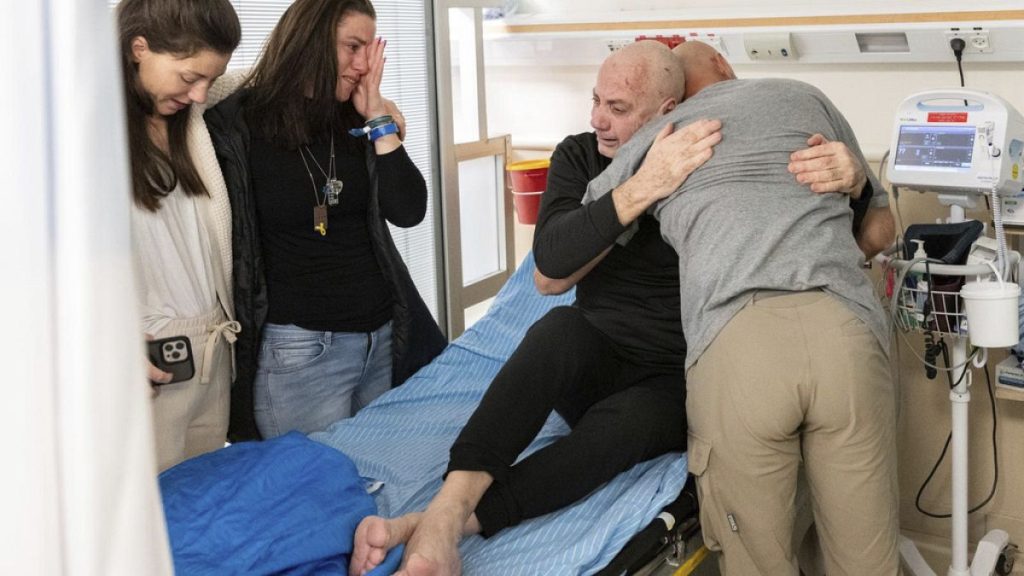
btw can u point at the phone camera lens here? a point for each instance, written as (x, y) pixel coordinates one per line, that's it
(179, 345)
(175, 355)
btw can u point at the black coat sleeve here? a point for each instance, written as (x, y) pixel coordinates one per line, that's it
(402, 190)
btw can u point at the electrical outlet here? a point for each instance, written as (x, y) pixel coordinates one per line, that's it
(980, 42)
(771, 46)
(976, 39)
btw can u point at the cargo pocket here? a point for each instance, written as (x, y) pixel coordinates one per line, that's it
(698, 456)
(748, 546)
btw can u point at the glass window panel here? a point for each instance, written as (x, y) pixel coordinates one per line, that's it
(480, 187)
(477, 311)
(465, 96)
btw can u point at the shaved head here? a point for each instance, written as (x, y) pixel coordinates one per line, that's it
(635, 84)
(703, 66)
(652, 69)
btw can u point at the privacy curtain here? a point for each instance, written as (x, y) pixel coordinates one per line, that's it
(78, 492)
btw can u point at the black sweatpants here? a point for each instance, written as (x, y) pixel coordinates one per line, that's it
(621, 413)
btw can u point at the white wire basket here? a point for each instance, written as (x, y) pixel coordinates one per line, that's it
(934, 305)
(937, 311)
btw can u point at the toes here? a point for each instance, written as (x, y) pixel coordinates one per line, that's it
(370, 536)
(377, 532)
(355, 565)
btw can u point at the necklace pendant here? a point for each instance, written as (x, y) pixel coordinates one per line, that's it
(320, 219)
(332, 191)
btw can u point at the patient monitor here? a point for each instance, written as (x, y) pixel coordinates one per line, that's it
(957, 141)
(962, 144)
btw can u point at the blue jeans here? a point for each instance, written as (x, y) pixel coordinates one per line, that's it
(307, 380)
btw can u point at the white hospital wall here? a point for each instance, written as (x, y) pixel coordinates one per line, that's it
(536, 104)
(539, 105)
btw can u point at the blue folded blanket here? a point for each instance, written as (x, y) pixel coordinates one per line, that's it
(284, 506)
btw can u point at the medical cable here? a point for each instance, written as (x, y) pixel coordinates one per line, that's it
(942, 456)
(997, 214)
(894, 189)
(899, 213)
(931, 349)
(894, 313)
(945, 448)
(958, 45)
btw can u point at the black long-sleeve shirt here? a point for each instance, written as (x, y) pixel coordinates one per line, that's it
(334, 281)
(632, 295)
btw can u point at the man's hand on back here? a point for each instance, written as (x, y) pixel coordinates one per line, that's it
(828, 167)
(674, 155)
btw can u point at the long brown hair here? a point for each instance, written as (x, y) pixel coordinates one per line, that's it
(181, 28)
(301, 55)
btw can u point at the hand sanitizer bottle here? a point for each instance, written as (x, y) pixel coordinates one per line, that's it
(918, 285)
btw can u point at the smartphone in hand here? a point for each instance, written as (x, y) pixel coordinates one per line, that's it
(173, 355)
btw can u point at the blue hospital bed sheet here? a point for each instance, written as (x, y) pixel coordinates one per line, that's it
(402, 440)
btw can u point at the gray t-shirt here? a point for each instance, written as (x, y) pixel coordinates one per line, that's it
(742, 223)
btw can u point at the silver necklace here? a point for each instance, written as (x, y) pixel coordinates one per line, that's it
(332, 186)
(319, 207)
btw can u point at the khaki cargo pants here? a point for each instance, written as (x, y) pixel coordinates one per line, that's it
(795, 379)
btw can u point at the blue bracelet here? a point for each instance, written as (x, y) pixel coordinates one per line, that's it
(379, 131)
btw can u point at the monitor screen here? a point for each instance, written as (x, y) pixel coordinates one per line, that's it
(935, 147)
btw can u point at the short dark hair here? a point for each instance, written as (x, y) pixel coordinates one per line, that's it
(182, 28)
(302, 54)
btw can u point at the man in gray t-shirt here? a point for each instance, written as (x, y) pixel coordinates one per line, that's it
(787, 360)
(766, 231)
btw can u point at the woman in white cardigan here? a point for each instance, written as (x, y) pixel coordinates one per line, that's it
(172, 51)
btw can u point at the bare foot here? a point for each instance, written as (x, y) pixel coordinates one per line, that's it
(433, 549)
(375, 536)
(417, 565)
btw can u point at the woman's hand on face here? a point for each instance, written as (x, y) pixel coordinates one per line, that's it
(366, 97)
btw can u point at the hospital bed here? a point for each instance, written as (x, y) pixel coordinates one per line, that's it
(399, 444)
(402, 440)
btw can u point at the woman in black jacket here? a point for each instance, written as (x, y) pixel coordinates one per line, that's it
(315, 169)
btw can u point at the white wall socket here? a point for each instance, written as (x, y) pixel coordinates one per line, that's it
(775, 46)
(976, 39)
